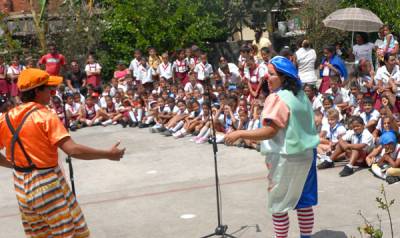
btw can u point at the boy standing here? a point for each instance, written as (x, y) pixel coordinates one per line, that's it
(203, 70)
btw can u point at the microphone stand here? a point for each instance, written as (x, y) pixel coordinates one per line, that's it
(68, 159)
(221, 229)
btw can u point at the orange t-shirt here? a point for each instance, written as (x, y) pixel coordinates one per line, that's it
(39, 135)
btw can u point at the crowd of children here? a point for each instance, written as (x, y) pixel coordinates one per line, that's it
(357, 115)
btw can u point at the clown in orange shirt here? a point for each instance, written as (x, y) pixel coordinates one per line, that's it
(32, 134)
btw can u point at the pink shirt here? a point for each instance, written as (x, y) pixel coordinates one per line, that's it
(275, 110)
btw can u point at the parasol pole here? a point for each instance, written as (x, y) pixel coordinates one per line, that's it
(352, 33)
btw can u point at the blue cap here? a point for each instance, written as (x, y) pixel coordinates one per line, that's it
(388, 137)
(284, 66)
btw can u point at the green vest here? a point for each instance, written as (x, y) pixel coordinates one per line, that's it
(301, 133)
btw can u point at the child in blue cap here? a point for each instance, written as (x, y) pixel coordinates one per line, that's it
(289, 139)
(385, 159)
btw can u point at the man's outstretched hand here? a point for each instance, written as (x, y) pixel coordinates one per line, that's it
(116, 154)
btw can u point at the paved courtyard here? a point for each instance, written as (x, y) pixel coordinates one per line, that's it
(164, 188)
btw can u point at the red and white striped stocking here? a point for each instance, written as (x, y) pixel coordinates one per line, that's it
(306, 221)
(281, 224)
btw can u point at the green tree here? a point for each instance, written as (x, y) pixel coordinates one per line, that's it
(78, 29)
(7, 43)
(387, 11)
(164, 24)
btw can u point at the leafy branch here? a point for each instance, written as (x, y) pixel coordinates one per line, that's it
(368, 228)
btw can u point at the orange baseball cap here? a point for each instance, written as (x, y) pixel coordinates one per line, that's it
(32, 78)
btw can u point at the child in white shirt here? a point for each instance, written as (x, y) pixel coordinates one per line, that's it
(164, 69)
(356, 143)
(134, 65)
(145, 74)
(73, 111)
(370, 116)
(203, 70)
(330, 134)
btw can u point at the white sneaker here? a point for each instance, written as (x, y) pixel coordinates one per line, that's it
(177, 134)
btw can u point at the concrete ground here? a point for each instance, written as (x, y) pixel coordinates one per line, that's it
(162, 179)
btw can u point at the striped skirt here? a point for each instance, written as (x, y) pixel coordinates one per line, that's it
(48, 207)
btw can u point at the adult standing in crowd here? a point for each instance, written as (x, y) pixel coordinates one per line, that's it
(76, 79)
(331, 64)
(362, 48)
(53, 61)
(305, 58)
(32, 134)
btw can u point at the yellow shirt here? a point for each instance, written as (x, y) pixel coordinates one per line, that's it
(39, 135)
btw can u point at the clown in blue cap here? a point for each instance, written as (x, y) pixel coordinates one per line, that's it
(288, 140)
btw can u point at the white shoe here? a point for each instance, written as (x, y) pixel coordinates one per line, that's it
(176, 134)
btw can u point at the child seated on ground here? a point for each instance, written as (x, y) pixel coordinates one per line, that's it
(149, 113)
(226, 120)
(353, 101)
(340, 95)
(90, 115)
(193, 120)
(136, 112)
(330, 135)
(72, 109)
(318, 120)
(205, 117)
(327, 103)
(354, 146)
(57, 108)
(385, 123)
(370, 116)
(161, 115)
(385, 159)
(117, 99)
(177, 121)
(110, 113)
(205, 130)
(125, 109)
(254, 123)
(202, 123)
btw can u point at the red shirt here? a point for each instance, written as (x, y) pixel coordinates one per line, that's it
(53, 63)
